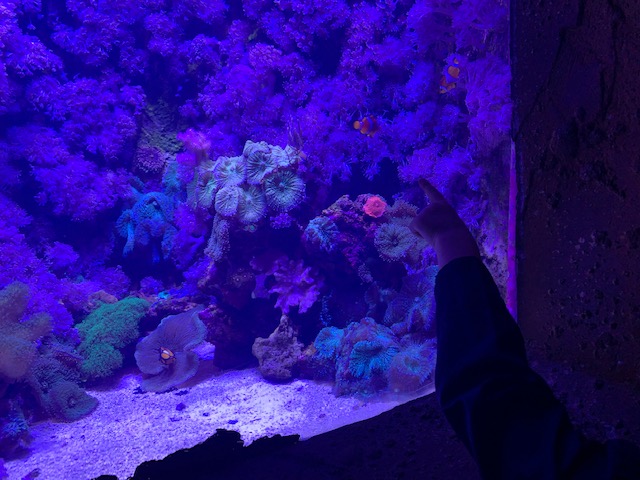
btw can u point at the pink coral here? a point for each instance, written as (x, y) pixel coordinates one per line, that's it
(374, 206)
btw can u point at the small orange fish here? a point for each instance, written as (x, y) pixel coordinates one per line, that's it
(453, 72)
(167, 357)
(446, 86)
(450, 75)
(368, 126)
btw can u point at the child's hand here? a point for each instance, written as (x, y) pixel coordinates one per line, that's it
(440, 225)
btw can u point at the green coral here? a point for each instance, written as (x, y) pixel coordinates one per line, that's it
(67, 401)
(101, 360)
(55, 385)
(17, 338)
(107, 329)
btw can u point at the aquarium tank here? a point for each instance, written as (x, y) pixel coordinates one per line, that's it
(205, 211)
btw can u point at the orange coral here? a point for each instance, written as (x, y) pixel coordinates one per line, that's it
(375, 206)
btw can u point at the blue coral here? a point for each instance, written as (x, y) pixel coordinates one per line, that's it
(370, 356)
(15, 434)
(206, 193)
(327, 342)
(321, 234)
(218, 244)
(364, 354)
(149, 222)
(259, 161)
(296, 285)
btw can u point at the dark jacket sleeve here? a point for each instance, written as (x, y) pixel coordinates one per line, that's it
(503, 411)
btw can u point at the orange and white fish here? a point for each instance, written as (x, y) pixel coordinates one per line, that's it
(167, 357)
(368, 126)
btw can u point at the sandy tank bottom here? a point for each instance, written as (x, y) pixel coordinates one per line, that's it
(130, 427)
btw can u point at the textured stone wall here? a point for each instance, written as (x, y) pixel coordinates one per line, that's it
(576, 86)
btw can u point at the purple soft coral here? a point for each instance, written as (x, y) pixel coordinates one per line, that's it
(296, 285)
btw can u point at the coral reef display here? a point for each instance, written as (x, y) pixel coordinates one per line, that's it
(240, 173)
(167, 355)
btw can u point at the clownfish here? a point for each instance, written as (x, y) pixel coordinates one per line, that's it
(167, 357)
(368, 126)
(450, 75)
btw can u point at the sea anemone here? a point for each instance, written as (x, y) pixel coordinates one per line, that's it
(227, 200)
(206, 193)
(259, 162)
(284, 190)
(230, 171)
(393, 241)
(177, 335)
(251, 205)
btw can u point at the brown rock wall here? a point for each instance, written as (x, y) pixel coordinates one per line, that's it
(576, 67)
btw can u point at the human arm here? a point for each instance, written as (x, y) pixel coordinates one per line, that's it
(439, 224)
(502, 410)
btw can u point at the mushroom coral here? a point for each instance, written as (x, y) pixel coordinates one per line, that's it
(412, 367)
(167, 355)
(393, 241)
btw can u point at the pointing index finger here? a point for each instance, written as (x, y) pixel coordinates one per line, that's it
(432, 192)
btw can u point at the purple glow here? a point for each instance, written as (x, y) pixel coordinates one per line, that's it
(223, 157)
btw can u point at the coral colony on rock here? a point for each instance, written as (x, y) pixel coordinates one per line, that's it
(239, 175)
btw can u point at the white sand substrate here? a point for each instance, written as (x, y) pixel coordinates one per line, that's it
(129, 428)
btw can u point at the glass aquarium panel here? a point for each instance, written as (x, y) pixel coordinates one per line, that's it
(205, 213)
